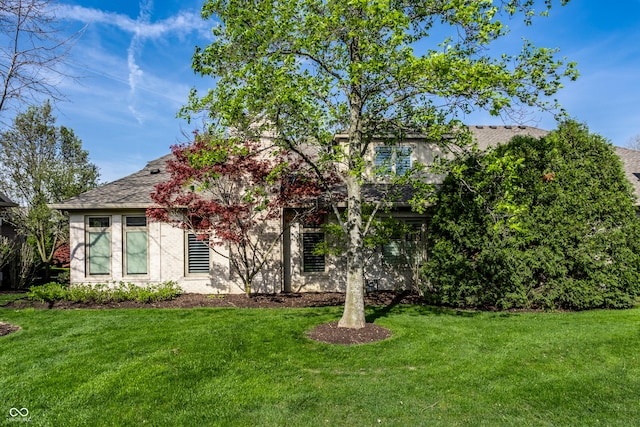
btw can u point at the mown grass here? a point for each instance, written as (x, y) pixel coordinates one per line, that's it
(6, 298)
(257, 368)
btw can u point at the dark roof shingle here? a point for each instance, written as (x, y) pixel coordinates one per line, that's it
(5, 202)
(131, 192)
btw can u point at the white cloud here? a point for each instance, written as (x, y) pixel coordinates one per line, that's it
(140, 30)
(183, 22)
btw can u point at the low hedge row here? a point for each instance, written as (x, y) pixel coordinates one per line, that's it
(102, 293)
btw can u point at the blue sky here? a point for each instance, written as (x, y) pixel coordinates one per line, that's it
(134, 63)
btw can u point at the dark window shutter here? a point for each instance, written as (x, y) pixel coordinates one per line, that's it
(310, 262)
(198, 255)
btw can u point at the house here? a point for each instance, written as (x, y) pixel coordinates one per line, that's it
(112, 239)
(6, 230)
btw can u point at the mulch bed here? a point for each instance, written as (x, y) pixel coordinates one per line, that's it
(328, 332)
(292, 300)
(332, 334)
(6, 328)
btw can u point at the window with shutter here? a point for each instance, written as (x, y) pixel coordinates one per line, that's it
(403, 160)
(404, 250)
(311, 262)
(396, 159)
(383, 160)
(197, 255)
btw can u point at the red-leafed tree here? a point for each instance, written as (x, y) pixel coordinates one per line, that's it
(62, 255)
(230, 193)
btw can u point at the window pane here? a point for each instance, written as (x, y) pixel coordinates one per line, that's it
(136, 221)
(383, 160)
(403, 160)
(136, 256)
(411, 248)
(99, 252)
(392, 252)
(197, 255)
(310, 261)
(99, 222)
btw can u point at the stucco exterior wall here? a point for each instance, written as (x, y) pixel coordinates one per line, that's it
(166, 259)
(333, 279)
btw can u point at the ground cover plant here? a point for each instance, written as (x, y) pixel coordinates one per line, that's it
(104, 293)
(229, 366)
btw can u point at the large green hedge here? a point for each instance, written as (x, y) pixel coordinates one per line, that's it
(536, 223)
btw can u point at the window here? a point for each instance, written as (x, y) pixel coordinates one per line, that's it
(396, 159)
(197, 255)
(393, 252)
(311, 262)
(99, 245)
(404, 250)
(135, 244)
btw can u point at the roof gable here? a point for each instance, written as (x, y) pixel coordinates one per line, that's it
(131, 192)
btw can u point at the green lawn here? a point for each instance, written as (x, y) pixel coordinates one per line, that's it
(246, 367)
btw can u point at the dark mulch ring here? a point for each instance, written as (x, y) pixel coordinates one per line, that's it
(6, 328)
(332, 334)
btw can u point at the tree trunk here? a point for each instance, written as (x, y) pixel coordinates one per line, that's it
(353, 315)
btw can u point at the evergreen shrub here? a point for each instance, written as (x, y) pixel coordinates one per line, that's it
(536, 223)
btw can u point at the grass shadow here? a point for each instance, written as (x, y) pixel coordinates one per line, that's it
(398, 307)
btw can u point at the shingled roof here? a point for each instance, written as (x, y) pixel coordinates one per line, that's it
(130, 192)
(491, 136)
(5, 202)
(631, 164)
(133, 191)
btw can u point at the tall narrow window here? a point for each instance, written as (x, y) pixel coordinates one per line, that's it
(197, 255)
(403, 160)
(383, 160)
(99, 245)
(135, 244)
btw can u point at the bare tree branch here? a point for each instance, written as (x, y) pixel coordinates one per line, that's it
(32, 52)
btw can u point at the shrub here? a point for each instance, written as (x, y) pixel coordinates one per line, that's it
(544, 223)
(48, 292)
(103, 293)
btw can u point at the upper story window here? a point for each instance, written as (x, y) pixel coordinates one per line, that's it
(98, 229)
(135, 245)
(393, 159)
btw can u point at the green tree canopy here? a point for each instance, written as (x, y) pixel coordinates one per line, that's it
(41, 163)
(543, 223)
(303, 71)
